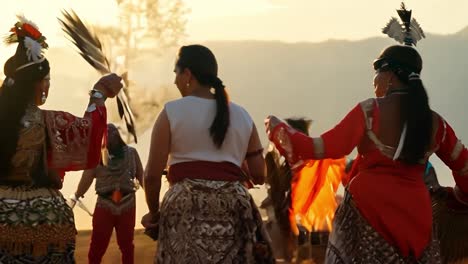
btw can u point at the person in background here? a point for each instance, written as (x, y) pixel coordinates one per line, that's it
(117, 180)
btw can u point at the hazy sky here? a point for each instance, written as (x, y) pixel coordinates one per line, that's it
(285, 20)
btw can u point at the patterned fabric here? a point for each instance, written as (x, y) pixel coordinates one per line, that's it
(121, 176)
(52, 257)
(34, 221)
(353, 240)
(127, 202)
(450, 222)
(74, 143)
(30, 148)
(68, 138)
(36, 224)
(210, 222)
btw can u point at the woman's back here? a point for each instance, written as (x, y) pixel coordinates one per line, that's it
(190, 119)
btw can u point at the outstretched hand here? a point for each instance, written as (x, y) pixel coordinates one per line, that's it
(109, 85)
(270, 123)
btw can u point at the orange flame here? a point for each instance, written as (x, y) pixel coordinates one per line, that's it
(313, 194)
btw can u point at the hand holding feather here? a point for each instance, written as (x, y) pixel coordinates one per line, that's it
(110, 85)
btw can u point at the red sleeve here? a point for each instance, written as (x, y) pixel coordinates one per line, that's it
(345, 136)
(454, 154)
(335, 143)
(75, 143)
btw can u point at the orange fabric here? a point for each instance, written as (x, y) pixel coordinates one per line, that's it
(390, 195)
(313, 193)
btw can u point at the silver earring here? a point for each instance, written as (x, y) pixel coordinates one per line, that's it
(188, 84)
(43, 98)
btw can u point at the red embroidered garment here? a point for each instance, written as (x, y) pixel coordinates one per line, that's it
(75, 143)
(389, 194)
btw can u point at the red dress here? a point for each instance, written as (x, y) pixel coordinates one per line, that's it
(389, 194)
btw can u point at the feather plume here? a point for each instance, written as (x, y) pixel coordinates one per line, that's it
(405, 16)
(408, 32)
(23, 20)
(416, 31)
(33, 49)
(394, 30)
(90, 48)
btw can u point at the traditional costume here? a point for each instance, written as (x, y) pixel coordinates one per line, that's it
(36, 224)
(386, 215)
(207, 215)
(115, 205)
(450, 219)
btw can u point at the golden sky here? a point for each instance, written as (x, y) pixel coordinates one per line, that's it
(284, 20)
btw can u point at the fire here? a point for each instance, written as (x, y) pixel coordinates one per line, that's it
(313, 194)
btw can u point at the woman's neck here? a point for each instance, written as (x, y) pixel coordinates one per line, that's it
(399, 90)
(201, 91)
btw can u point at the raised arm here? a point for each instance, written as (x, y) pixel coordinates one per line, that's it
(335, 143)
(74, 143)
(455, 155)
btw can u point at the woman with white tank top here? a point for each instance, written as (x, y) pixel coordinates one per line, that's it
(207, 215)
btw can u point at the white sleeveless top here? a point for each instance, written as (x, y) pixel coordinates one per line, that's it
(190, 120)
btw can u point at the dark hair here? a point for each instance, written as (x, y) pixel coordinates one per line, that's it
(120, 142)
(202, 63)
(406, 63)
(301, 124)
(16, 92)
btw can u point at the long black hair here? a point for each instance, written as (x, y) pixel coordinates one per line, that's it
(16, 92)
(202, 64)
(406, 63)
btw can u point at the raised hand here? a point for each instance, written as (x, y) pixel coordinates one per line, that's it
(270, 123)
(109, 85)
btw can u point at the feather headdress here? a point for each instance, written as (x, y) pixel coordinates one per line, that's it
(91, 50)
(31, 40)
(409, 32)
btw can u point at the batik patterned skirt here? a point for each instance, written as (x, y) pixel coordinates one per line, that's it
(211, 222)
(353, 240)
(36, 226)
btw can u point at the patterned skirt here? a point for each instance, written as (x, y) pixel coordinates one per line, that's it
(353, 240)
(36, 226)
(451, 223)
(211, 222)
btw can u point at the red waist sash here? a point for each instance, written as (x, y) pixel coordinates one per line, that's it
(205, 170)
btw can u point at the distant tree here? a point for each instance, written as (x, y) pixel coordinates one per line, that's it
(143, 24)
(158, 24)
